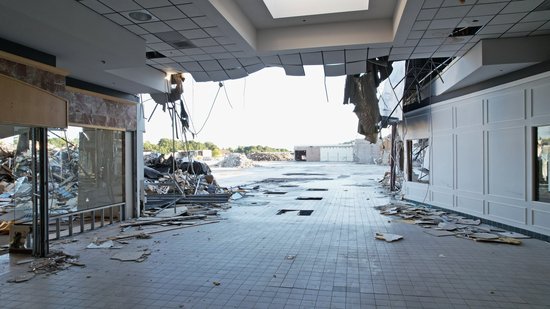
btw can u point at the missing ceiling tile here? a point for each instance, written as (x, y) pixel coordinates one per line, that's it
(154, 55)
(464, 31)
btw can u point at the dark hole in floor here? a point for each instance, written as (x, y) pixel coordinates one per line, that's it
(289, 186)
(317, 189)
(305, 212)
(274, 192)
(309, 198)
(282, 211)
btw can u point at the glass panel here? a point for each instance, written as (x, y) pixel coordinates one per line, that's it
(419, 160)
(542, 190)
(87, 169)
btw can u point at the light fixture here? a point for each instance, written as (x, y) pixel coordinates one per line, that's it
(293, 8)
(140, 16)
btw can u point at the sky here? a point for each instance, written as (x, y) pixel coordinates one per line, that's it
(266, 108)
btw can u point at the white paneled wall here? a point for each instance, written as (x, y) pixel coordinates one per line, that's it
(481, 152)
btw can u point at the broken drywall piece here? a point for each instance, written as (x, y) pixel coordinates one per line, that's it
(513, 235)
(503, 240)
(388, 237)
(447, 226)
(98, 245)
(439, 233)
(483, 236)
(469, 221)
(135, 256)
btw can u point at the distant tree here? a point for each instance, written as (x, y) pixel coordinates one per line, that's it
(257, 148)
(148, 146)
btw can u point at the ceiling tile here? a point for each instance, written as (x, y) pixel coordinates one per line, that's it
(193, 51)
(121, 5)
(515, 34)
(492, 29)
(315, 58)
(192, 66)
(416, 34)
(507, 18)
(398, 57)
(97, 6)
(334, 57)
(335, 69)
(402, 50)
(204, 42)
(425, 49)
(164, 60)
(291, 59)
(271, 60)
(222, 55)
(487, 9)
(353, 55)
(432, 3)
(526, 27)
(167, 13)
(211, 65)
(230, 63)
(444, 54)
(233, 47)
(176, 2)
(156, 27)
(410, 43)
(201, 77)
(540, 32)
(437, 33)
(119, 19)
(421, 25)
(150, 38)
(182, 59)
(426, 14)
(444, 23)
(173, 53)
(545, 26)
(521, 6)
(214, 31)
(250, 61)
(474, 21)
(214, 49)
(194, 34)
(356, 67)
(455, 3)
(182, 24)
(453, 12)
(201, 57)
(294, 70)
(203, 22)
(223, 40)
(254, 68)
(136, 29)
(190, 10)
(432, 42)
(378, 52)
(160, 46)
(153, 3)
(236, 73)
(537, 16)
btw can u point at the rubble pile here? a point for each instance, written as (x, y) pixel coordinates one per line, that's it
(163, 164)
(270, 156)
(441, 223)
(55, 262)
(236, 160)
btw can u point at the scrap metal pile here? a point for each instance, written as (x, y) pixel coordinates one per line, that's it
(440, 223)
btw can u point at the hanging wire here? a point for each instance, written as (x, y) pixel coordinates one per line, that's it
(209, 113)
(221, 84)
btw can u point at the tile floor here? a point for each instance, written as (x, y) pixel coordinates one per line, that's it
(327, 260)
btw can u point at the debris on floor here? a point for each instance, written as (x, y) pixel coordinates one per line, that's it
(132, 256)
(238, 160)
(270, 156)
(388, 237)
(305, 212)
(96, 244)
(441, 223)
(55, 262)
(283, 211)
(309, 198)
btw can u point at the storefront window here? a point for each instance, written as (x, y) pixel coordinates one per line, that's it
(86, 169)
(542, 137)
(418, 160)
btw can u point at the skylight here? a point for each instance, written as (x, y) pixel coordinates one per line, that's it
(293, 8)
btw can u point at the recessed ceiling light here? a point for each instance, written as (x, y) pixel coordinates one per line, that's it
(140, 16)
(293, 8)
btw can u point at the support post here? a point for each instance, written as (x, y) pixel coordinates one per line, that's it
(392, 157)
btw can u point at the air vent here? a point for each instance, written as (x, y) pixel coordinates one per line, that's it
(464, 31)
(175, 39)
(154, 55)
